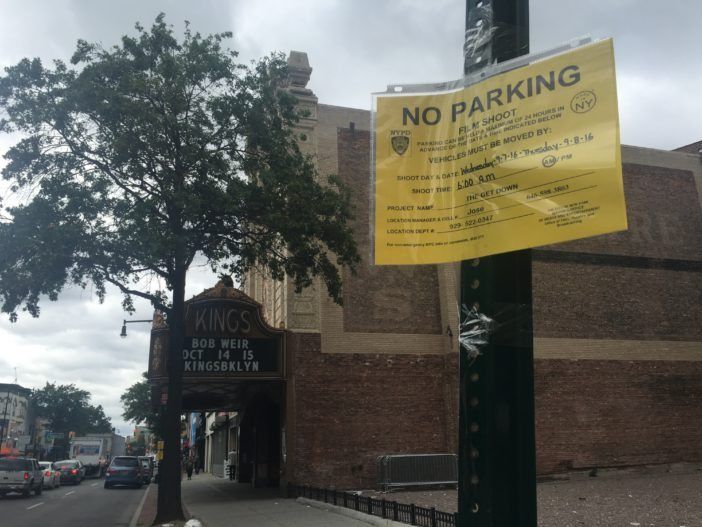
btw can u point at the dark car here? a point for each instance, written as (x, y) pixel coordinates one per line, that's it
(124, 470)
(72, 471)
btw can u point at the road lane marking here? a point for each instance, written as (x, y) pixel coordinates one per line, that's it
(69, 493)
(94, 485)
(35, 505)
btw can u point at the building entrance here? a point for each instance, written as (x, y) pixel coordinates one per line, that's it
(234, 373)
(260, 443)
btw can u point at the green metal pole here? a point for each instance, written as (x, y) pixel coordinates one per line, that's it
(497, 452)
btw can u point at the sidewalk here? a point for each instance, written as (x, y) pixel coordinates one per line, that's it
(653, 496)
(218, 502)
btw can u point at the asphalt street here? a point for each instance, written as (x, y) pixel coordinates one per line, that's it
(72, 505)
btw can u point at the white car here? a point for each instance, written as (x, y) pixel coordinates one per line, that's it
(52, 477)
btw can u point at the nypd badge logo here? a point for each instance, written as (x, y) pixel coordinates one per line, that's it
(400, 144)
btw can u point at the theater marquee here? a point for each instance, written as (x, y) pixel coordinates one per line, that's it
(225, 339)
(225, 355)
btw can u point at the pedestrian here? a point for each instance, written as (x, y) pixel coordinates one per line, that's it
(231, 460)
(189, 467)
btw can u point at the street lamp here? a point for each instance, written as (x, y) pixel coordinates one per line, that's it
(124, 326)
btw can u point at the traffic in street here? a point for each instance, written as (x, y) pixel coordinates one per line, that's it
(87, 503)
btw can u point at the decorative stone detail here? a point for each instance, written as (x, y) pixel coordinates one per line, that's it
(299, 72)
(220, 290)
(308, 112)
(303, 309)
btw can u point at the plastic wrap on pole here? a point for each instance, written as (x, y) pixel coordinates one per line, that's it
(474, 331)
(477, 48)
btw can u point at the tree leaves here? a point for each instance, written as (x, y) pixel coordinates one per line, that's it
(139, 157)
(136, 401)
(67, 408)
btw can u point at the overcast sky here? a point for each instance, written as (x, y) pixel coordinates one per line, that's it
(355, 48)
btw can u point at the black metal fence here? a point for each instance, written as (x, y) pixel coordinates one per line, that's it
(401, 512)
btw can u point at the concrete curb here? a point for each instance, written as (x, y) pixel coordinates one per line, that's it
(356, 515)
(137, 513)
(147, 520)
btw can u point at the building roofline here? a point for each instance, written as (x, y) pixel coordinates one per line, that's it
(13, 387)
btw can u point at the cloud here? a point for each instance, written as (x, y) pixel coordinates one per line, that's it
(76, 341)
(648, 116)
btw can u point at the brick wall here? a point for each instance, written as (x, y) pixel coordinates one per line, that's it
(381, 299)
(386, 380)
(616, 413)
(663, 213)
(351, 408)
(616, 302)
(634, 293)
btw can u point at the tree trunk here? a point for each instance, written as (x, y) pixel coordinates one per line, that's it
(169, 506)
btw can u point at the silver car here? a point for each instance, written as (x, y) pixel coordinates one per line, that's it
(52, 476)
(20, 474)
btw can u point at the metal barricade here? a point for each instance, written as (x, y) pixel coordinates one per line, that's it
(404, 470)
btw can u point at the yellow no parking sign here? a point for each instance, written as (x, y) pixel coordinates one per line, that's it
(524, 158)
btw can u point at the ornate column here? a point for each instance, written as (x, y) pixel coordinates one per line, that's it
(302, 310)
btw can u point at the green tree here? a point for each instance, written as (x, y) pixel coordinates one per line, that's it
(68, 409)
(136, 159)
(136, 401)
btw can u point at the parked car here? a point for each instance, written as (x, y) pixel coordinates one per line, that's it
(124, 470)
(147, 468)
(20, 474)
(72, 471)
(52, 476)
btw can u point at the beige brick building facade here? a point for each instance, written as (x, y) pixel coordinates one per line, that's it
(617, 331)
